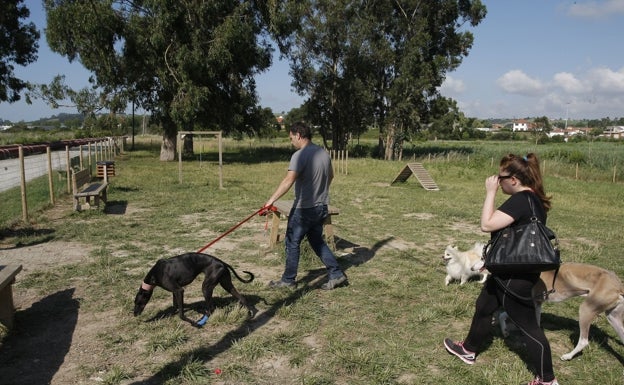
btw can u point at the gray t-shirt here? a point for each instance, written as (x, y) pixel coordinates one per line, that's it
(314, 173)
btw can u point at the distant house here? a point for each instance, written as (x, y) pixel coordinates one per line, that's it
(521, 125)
(3, 128)
(557, 132)
(566, 133)
(614, 132)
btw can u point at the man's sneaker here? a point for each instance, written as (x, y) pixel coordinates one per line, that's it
(457, 349)
(280, 284)
(334, 283)
(538, 381)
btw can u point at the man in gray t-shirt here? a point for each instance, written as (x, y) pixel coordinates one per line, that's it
(311, 172)
(314, 172)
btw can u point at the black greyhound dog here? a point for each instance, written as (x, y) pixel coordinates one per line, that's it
(172, 274)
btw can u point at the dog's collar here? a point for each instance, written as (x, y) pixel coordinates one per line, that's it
(146, 286)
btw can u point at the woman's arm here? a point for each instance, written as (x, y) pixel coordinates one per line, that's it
(492, 219)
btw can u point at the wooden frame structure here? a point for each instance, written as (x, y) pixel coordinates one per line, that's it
(219, 136)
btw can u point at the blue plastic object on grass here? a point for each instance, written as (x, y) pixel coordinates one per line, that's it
(203, 320)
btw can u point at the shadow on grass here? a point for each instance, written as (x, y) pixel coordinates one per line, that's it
(359, 256)
(23, 237)
(35, 349)
(596, 335)
(554, 322)
(116, 207)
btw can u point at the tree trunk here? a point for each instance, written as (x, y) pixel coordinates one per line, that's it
(168, 147)
(389, 150)
(187, 146)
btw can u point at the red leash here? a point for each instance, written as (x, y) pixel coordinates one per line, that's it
(262, 211)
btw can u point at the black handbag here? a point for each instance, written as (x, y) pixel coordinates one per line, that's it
(528, 248)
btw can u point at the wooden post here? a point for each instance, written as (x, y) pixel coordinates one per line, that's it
(23, 184)
(90, 156)
(220, 139)
(50, 179)
(179, 157)
(576, 172)
(81, 165)
(68, 169)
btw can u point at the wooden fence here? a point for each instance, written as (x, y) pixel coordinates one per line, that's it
(25, 163)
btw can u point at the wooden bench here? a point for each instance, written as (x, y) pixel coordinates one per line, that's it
(282, 209)
(84, 188)
(7, 278)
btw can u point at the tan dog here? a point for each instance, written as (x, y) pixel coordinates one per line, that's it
(604, 292)
(459, 264)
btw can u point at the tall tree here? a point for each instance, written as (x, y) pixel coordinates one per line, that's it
(188, 62)
(18, 45)
(326, 65)
(541, 128)
(383, 61)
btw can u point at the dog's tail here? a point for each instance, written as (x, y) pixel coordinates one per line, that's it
(250, 274)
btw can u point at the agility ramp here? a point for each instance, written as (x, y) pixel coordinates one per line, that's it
(420, 173)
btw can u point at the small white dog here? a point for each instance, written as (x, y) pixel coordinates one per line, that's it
(463, 265)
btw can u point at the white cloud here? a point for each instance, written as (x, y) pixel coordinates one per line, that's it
(452, 86)
(517, 82)
(568, 83)
(606, 80)
(596, 9)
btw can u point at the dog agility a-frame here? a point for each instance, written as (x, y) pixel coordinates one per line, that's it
(420, 173)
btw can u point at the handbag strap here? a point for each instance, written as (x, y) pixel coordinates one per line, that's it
(533, 215)
(543, 296)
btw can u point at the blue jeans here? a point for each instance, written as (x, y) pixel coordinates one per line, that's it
(302, 222)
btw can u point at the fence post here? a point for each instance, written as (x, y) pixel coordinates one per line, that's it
(50, 179)
(89, 157)
(23, 184)
(220, 140)
(68, 168)
(81, 165)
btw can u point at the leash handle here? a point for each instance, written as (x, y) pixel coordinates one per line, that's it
(262, 211)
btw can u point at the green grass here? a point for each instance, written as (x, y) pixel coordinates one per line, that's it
(385, 328)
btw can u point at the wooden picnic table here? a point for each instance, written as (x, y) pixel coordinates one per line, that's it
(7, 278)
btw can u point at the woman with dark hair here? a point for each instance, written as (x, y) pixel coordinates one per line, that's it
(521, 178)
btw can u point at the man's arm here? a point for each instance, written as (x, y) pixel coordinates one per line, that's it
(283, 187)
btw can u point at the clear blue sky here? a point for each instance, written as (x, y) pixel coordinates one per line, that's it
(530, 58)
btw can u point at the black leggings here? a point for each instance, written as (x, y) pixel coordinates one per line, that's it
(521, 312)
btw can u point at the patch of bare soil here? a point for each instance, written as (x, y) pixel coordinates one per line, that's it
(46, 342)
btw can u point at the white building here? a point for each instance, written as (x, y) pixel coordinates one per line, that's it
(614, 132)
(521, 125)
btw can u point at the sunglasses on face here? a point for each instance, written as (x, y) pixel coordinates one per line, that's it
(500, 177)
